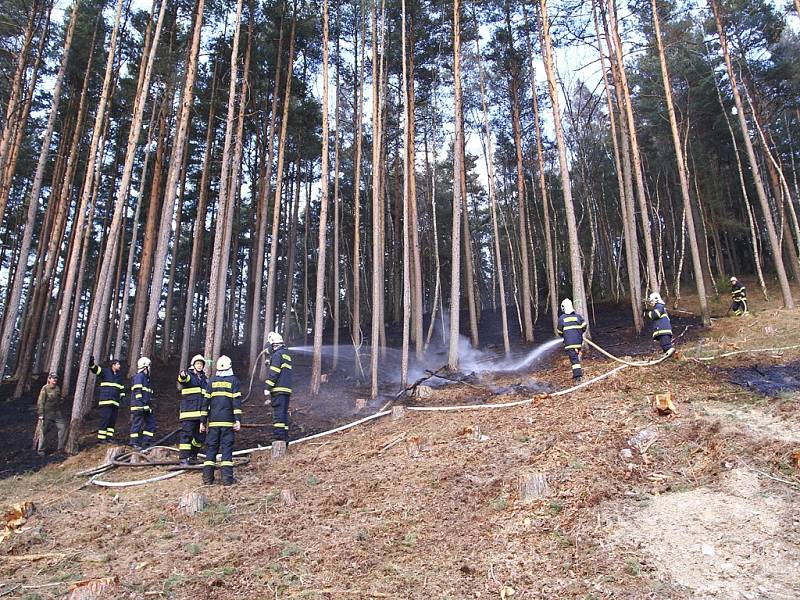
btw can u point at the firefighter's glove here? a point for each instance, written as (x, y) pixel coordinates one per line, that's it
(237, 426)
(91, 362)
(183, 374)
(202, 427)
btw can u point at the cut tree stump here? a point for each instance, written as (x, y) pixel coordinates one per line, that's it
(192, 503)
(94, 589)
(413, 444)
(423, 391)
(160, 454)
(137, 458)
(278, 449)
(361, 403)
(288, 498)
(476, 433)
(114, 452)
(532, 486)
(398, 412)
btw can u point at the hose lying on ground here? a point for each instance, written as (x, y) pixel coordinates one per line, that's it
(633, 363)
(754, 350)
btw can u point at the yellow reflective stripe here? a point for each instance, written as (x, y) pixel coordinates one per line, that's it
(576, 367)
(108, 403)
(573, 327)
(111, 384)
(286, 366)
(220, 424)
(148, 433)
(191, 414)
(286, 357)
(570, 319)
(208, 463)
(270, 382)
(184, 379)
(274, 368)
(136, 386)
(221, 384)
(197, 444)
(96, 370)
(226, 463)
(573, 346)
(237, 411)
(185, 447)
(279, 425)
(219, 393)
(662, 332)
(134, 435)
(139, 407)
(282, 389)
(559, 332)
(191, 390)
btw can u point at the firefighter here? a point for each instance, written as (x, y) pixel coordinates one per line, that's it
(571, 326)
(143, 425)
(49, 409)
(222, 416)
(662, 328)
(279, 386)
(112, 391)
(739, 297)
(193, 383)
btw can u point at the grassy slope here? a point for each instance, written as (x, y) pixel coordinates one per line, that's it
(445, 525)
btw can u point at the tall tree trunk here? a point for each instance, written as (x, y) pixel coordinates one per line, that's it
(218, 275)
(199, 223)
(644, 209)
(488, 153)
(316, 357)
(777, 256)
(336, 283)
(629, 228)
(552, 281)
(272, 270)
(682, 172)
(377, 209)
(576, 266)
(12, 305)
(170, 190)
(359, 110)
(458, 174)
(407, 166)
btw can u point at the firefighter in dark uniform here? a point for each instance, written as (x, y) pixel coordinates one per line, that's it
(193, 383)
(223, 415)
(739, 297)
(662, 328)
(143, 421)
(112, 391)
(571, 326)
(279, 386)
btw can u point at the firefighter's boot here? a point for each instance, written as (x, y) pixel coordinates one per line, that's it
(208, 475)
(227, 476)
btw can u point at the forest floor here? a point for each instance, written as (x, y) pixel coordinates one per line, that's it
(700, 504)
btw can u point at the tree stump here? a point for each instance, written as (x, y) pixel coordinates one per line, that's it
(323, 378)
(413, 444)
(114, 452)
(192, 503)
(532, 486)
(423, 391)
(94, 589)
(278, 449)
(398, 412)
(160, 454)
(361, 403)
(288, 498)
(476, 433)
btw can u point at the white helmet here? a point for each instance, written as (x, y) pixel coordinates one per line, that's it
(274, 338)
(143, 363)
(655, 298)
(223, 363)
(734, 280)
(566, 306)
(199, 357)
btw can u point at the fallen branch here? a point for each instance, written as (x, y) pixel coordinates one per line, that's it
(32, 557)
(419, 381)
